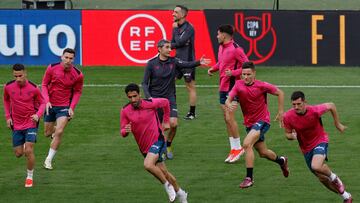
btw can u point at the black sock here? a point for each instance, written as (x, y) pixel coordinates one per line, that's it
(168, 143)
(279, 160)
(192, 109)
(249, 172)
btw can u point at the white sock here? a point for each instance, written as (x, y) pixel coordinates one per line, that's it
(345, 195)
(180, 191)
(51, 154)
(166, 184)
(332, 176)
(237, 145)
(30, 173)
(231, 140)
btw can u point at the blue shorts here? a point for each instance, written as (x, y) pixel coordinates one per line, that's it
(262, 126)
(56, 112)
(321, 148)
(22, 136)
(159, 147)
(224, 95)
(173, 109)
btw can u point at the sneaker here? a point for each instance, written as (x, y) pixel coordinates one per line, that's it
(236, 155)
(182, 196)
(28, 182)
(349, 200)
(190, 116)
(47, 164)
(170, 191)
(169, 153)
(247, 182)
(284, 168)
(338, 185)
(230, 155)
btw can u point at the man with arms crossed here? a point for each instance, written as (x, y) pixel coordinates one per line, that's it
(303, 122)
(140, 118)
(24, 105)
(230, 59)
(61, 87)
(159, 82)
(183, 36)
(252, 96)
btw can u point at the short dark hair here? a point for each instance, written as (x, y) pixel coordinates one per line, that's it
(227, 28)
(18, 67)
(132, 87)
(248, 64)
(69, 50)
(184, 9)
(297, 94)
(162, 42)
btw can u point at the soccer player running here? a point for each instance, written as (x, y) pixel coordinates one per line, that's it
(303, 122)
(183, 35)
(159, 82)
(252, 96)
(61, 87)
(230, 59)
(24, 105)
(140, 118)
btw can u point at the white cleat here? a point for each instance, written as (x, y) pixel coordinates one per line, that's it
(170, 191)
(182, 196)
(47, 164)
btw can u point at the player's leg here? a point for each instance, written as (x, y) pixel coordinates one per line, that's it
(30, 139)
(191, 88)
(171, 135)
(49, 123)
(18, 139)
(249, 141)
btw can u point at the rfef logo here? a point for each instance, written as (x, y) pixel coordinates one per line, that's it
(138, 36)
(254, 29)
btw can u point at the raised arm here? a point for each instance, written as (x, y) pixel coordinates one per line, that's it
(332, 108)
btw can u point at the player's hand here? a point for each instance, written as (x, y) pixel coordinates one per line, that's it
(279, 117)
(231, 106)
(228, 72)
(175, 25)
(48, 107)
(209, 72)
(166, 126)
(205, 61)
(35, 118)
(128, 128)
(340, 127)
(71, 113)
(9, 123)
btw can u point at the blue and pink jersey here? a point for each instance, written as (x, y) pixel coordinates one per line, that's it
(145, 124)
(253, 100)
(21, 102)
(309, 129)
(230, 56)
(62, 88)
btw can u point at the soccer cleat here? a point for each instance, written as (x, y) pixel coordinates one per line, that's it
(28, 182)
(247, 182)
(169, 153)
(284, 168)
(190, 116)
(340, 187)
(230, 155)
(170, 191)
(349, 200)
(47, 164)
(182, 196)
(236, 155)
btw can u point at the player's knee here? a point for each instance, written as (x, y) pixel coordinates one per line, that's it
(247, 146)
(148, 166)
(315, 167)
(173, 125)
(19, 154)
(28, 151)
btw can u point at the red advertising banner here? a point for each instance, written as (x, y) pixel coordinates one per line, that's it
(128, 38)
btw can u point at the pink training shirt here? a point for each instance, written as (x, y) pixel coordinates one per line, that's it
(62, 88)
(145, 124)
(253, 100)
(230, 56)
(21, 102)
(309, 129)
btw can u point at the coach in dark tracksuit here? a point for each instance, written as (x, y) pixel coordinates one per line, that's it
(159, 82)
(183, 36)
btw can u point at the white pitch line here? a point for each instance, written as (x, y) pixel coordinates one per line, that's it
(216, 86)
